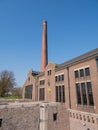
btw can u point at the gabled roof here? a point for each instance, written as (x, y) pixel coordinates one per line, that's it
(80, 58)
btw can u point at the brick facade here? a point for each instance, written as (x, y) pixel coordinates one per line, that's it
(52, 83)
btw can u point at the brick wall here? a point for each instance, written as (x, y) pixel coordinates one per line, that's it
(26, 116)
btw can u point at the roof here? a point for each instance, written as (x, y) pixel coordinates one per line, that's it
(80, 58)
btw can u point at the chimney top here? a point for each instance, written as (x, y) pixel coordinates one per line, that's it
(44, 22)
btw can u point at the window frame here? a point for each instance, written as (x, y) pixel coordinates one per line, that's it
(76, 73)
(90, 94)
(87, 71)
(78, 93)
(41, 94)
(81, 72)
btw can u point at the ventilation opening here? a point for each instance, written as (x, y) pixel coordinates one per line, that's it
(0, 122)
(54, 116)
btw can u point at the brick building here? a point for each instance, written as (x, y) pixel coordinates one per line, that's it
(73, 83)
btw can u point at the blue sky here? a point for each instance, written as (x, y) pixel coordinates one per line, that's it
(72, 31)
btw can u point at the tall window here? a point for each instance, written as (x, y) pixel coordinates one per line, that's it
(60, 93)
(49, 72)
(78, 93)
(41, 94)
(59, 77)
(84, 91)
(28, 91)
(97, 61)
(87, 71)
(62, 77)
(56, 78)
(57, 91)
(81, 72)
(90, 94)
(76, 74)
(63, 93)
(84, 97)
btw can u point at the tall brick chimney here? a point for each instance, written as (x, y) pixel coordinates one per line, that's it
(44, 58)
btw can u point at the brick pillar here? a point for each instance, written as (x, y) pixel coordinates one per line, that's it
(44, 58)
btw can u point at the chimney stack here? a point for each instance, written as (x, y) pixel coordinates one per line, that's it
(44, 58)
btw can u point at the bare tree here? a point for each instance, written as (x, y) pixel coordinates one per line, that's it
(17, 92)
(7, 82)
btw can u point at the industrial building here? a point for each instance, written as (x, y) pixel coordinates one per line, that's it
(73, 84)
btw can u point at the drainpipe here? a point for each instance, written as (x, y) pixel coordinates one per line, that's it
(69, 87)
(43, 117)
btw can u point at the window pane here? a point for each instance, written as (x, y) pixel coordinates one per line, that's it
(87, 71)
(84, 97)
(55, 78)
(56, 93)
(41, 94)
(81, 73)
(90, 94)
(63, 93)
(50, 72)
(42, 82)
(76, 74)
(62, 77)
(28, 91)
(78, 93)
(59, 77)
(59, 93)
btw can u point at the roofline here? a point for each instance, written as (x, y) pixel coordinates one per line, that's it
(81, 58)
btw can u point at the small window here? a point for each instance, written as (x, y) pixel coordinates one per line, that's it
(87, 71)
(76, 74)
(81, 72)
(49, 72)
(0, 122)
(62, 77)
(42, 82)
(54, 116)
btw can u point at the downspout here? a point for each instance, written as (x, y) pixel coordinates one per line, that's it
(69, 87)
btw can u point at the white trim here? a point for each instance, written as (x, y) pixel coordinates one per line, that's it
(41, 79)
(83, 81)
(82, 67)
(59, 74)
(49, 69)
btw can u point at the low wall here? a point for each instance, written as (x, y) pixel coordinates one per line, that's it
(83, 120)
(33, 116)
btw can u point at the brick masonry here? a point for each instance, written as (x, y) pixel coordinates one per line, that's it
(26, 116)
